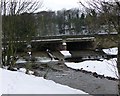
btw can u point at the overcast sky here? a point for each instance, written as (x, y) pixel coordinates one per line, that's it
(60, 4)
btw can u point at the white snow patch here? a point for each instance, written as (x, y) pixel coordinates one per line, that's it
(105, 67)
(43, 59)
(111, 51)
(20, 83)
(47, 61)
(22, 70)
(21, 61)
(66, 53)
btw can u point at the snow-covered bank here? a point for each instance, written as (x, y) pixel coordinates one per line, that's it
(111, 51)
(20, 83)
(105, 67)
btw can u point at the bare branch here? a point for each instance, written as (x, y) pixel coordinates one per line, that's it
(20, 6)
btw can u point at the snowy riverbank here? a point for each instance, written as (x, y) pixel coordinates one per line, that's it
(21, 83)
(105, 67)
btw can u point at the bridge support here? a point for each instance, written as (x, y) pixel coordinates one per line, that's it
(64, 46)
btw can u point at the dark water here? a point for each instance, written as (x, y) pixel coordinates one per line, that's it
(79, 80)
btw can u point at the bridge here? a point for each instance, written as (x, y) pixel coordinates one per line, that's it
(64, 42)
(80, 46)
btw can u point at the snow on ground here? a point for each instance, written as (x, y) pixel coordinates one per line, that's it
(105, 67)
(21, 83)
(43, 59)
(21, 61)
(66, 53)
(111, 51)
(0, 82)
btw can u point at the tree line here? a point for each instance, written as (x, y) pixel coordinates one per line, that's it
(45, 23)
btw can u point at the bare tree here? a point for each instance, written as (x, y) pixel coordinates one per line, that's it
(12, 9)
(111, 15)
(15, 7)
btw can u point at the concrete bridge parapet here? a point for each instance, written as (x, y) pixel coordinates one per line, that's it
(60, 43)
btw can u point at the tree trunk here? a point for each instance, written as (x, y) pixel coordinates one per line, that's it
(118, 65)
(118, 57)
(0, 37)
